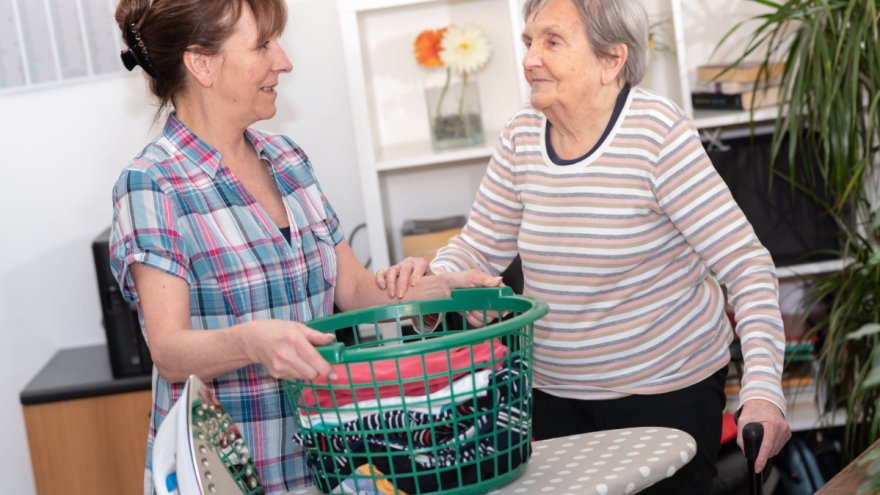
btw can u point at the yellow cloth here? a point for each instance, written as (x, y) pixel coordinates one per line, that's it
(384, 486)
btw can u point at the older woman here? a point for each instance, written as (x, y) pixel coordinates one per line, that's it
(221, 228)
(626, 230)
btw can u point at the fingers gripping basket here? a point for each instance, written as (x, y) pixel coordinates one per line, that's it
(448, 410)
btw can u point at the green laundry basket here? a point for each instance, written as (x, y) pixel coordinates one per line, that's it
(464, 426)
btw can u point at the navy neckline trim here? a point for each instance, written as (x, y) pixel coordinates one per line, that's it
(618, 109)
(286, 233)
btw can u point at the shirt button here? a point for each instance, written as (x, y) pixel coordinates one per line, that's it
(298, 244)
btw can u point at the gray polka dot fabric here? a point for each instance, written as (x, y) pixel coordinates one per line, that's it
(614, 462)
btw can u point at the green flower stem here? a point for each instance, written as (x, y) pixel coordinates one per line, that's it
(445, 88)
(461, 100)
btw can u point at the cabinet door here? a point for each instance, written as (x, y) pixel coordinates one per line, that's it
(90, 446)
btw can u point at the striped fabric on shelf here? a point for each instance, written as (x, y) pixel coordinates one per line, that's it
(628, 247)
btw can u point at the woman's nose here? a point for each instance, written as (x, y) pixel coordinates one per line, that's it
(532, 59)
(282, 63)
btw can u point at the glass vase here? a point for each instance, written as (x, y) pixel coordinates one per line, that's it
(455, 117)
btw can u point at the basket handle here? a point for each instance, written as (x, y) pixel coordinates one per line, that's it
(481, 294)
(333, 353)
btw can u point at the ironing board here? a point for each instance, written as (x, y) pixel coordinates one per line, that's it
(613, 462)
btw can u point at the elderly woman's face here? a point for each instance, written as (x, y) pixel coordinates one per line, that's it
(250, 70)
(560, 65)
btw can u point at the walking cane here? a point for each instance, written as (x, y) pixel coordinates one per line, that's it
(753, 434)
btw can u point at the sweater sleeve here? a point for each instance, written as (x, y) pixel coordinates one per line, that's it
(489, 240)
(699, 204)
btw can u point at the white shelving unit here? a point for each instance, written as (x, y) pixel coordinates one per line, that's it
(805, 419)
(386, 87)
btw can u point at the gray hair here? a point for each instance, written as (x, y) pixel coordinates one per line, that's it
(609, 23)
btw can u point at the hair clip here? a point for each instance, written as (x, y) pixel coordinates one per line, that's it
(137, 52)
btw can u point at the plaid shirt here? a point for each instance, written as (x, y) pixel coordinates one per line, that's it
(176, 208)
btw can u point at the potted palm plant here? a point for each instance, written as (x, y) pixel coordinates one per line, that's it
(831, 81)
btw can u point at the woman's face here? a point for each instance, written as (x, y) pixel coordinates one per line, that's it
(560, 65)
(249, 71)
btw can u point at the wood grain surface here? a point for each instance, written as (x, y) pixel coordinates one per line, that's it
(848, 480)
(92, 446)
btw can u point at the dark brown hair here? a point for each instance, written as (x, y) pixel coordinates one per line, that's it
(169, 27)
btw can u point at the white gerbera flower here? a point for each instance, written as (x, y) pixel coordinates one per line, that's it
(465, 49)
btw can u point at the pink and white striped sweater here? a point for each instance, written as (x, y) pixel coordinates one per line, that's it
(621, 245)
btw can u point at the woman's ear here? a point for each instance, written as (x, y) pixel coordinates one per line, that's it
(613, 63)
(201, 67)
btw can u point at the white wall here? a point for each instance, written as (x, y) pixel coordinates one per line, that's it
(62, 149)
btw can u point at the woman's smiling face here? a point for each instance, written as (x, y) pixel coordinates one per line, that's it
(560, 65)
(250, 69)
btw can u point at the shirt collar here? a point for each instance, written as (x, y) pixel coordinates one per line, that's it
(203, 155)
(259, 143)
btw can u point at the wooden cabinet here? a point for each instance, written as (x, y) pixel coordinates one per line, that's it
(87, 431)
(90, 446)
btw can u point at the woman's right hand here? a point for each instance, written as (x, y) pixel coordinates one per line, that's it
(287, 349)
(400, 277)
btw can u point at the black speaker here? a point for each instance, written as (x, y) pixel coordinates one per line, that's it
(792, 227)
(129, 354)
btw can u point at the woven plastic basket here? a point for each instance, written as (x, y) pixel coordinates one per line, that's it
(464, 426)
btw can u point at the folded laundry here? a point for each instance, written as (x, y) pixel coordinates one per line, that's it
(367, 486)
(412, 375)
(476, 440)
(461, 390)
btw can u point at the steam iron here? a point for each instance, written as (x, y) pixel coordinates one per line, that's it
(199, 451)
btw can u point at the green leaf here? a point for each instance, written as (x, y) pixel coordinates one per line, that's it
(864, 331)
(875, 258)
(768, 3)
(872, 485)
(872, 380)
(874, 454)
(874, 469)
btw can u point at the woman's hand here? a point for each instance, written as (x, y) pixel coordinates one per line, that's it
(776, 429)
(471, 279)
(400, 277)
(287, 349)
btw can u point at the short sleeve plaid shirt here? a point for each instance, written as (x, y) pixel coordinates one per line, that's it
(178, 209)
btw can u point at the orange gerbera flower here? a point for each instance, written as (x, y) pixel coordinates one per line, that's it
(427, 48)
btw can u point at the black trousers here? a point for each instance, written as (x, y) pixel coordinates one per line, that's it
(696, 410)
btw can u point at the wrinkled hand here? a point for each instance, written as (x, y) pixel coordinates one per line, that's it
(400, 277)
(776, 429)
(287, 350)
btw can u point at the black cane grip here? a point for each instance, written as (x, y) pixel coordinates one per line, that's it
(753, 434)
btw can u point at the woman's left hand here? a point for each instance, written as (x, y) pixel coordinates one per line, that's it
(776, 429)
(470, 279)
(397, 279)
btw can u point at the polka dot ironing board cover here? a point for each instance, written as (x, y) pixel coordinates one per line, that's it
(613, 462)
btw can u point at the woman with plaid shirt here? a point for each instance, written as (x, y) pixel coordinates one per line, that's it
(223, 228)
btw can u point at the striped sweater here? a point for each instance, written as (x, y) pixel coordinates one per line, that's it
(628, 248)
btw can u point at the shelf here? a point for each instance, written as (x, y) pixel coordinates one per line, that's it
(387, 91)
(720, 118)
(809, 268)
(803, 420)
(421, 153)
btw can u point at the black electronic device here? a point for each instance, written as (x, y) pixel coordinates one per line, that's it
(792, 227)
(129, 354)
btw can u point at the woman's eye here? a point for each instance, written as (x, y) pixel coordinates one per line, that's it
(265, 45)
